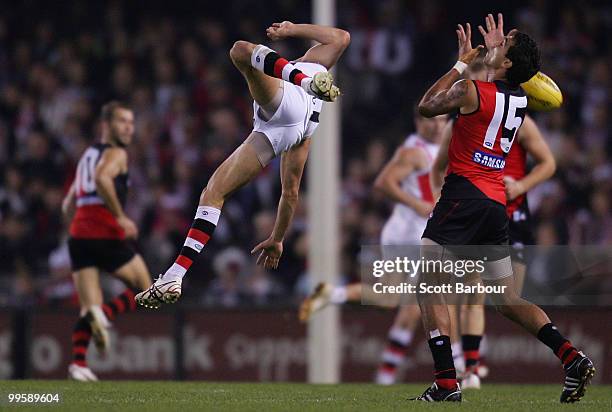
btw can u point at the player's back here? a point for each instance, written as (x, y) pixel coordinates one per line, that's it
(481, 141)
(93, 220)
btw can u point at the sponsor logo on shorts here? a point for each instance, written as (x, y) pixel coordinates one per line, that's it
(204, 213)
(488, 160)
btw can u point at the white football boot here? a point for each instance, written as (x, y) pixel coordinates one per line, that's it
(161, 291)
(322, 87)
(81, 373)
(316, 301)
(470, 380)
(99, 324)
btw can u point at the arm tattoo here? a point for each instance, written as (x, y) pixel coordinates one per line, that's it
(451, 97)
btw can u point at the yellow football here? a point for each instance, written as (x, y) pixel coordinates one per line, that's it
(543, 94)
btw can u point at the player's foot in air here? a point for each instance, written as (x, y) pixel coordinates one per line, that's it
(578, 375)
(470, 380)
(322, 86)
(316, 301)
(161, 291)
(99, 324)
(436, 394)
(81, 373)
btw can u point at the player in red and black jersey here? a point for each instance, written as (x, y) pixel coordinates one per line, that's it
(471, 209)
(99, 235)
(518, 182)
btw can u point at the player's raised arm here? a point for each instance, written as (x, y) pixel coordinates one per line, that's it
(449, 93)
(292, 168)
(112, 163)
(404, 162)
(531, 139)
(332, 41)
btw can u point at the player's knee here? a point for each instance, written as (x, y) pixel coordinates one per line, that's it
(240, 52)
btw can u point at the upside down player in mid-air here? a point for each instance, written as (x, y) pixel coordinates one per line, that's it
(471, 209)
(517, 183)
(99, 231)
(288, 98)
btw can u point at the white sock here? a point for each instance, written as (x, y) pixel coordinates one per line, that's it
(338, 295)
(458, 357)
(179, 268)
(258, 59)
(402, 336)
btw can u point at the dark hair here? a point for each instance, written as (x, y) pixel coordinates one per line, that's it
(525, 57)
(108, 110)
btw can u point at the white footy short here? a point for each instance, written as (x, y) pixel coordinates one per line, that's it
(296, 118)
(403, 230)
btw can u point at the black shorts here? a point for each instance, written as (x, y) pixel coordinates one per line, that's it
(481, 222)
(520, 233)
(106, 254)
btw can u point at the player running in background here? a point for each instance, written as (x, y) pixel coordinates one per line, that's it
(517, 182)
(99, 233)
(288, 98)
(471, 210)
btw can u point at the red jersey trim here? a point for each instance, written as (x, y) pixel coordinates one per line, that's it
(95, 222)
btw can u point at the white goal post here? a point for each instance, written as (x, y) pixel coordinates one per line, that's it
(323, 195)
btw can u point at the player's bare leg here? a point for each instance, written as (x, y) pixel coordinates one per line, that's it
(472, 328)
(92, 323)
(399, 339)
(135, 273)
(436, 322)
(519, 270)
(578, 368)
(236, 171)
(95, 315)
(455, 335)
(325, 294)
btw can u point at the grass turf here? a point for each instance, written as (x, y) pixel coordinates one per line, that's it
(268, 397)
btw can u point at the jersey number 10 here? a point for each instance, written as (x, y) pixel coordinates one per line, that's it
(86, 170)
(512, 124)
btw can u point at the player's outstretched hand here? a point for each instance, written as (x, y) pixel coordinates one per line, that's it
(464, 43)
(129, 227)
(494, 35)
(270, 253)
(279, 31)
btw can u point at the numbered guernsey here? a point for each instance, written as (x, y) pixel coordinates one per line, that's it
(93, 220)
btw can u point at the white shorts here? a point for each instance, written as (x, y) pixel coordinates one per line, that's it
(296, 119)
(403, 230)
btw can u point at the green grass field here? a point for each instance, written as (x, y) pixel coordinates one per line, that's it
(268, 397)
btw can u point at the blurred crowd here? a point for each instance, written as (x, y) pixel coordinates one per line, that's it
(192, 108)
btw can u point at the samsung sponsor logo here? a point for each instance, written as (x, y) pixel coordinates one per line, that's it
(489, 160)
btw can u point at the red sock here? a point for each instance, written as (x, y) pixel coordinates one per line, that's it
(123, 303)
(81, 335)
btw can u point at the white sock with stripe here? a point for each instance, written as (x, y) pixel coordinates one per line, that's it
(204, 224)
